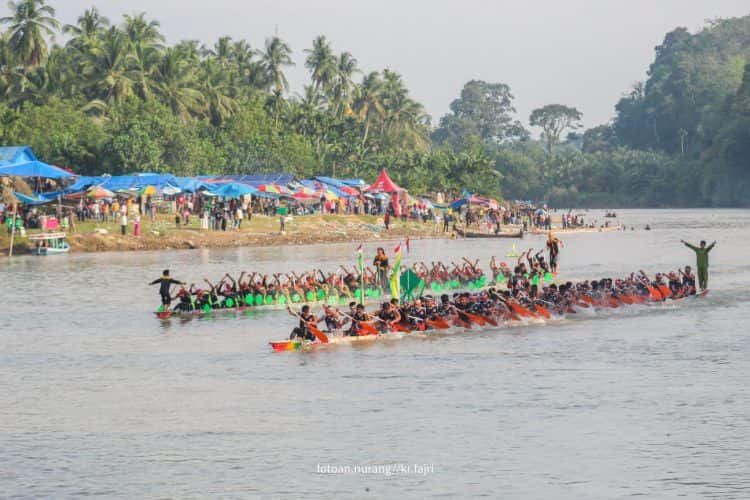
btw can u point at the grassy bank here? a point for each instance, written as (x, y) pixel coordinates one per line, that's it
(163, 234)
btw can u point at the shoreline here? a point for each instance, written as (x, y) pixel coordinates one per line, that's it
(261, 231)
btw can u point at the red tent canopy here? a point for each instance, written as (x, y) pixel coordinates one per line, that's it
(384, 184)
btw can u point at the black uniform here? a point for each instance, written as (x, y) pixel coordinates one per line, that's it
(165, 284)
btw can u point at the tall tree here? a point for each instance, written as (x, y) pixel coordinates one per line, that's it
(276, 56)
(89, 25)
(368, 102)
(31, 21)
(554, 119)
(341, 88)
(321, 63)
(484, 110)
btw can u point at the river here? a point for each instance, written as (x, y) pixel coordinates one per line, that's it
(99, 398)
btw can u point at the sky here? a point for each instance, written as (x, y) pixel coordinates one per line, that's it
(582, 53)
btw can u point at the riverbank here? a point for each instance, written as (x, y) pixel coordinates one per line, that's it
(261, 230)
(163, 234)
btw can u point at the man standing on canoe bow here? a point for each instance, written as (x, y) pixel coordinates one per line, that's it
(701, 254)
(165, 283)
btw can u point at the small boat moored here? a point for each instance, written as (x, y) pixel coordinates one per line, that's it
(49, 244)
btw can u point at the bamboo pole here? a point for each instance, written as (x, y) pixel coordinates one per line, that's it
(13, 228)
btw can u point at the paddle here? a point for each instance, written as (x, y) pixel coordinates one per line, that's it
(627, 299)
(482, 317)
(543, 311)
(438, 323)
(665, 291)
(479, 320)
(314, 329)
(363, 327)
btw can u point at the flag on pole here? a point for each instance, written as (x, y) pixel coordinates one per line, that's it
(361, 266)
(396, 276)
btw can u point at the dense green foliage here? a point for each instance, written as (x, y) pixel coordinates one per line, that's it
(682, 138)
(116, 99)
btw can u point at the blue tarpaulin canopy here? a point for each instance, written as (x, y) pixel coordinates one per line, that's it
(16, 154)
(35, 169)
(84, 182)
(357, 183)
(30, 200)
(252, 179)
(188, 184)
(231, 190)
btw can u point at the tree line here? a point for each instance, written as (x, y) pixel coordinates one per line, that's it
(115, 98)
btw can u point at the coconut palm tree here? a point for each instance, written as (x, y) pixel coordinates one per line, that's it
(88, 25)
(30, 22)
(175, 84)
(218, 103)
(108, 68)
(341, 87)
(368, 102)
(276, 55)
(321, 63)
(145, 43)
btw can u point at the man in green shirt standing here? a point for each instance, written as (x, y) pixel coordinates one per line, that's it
(701, 254)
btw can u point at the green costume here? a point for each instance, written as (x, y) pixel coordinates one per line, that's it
(701, 255)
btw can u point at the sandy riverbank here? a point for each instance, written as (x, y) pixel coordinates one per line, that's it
(163, 234)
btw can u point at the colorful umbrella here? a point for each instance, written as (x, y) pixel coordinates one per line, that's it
(98, 192)
(329, 195)
(147, 191)
(270, 188)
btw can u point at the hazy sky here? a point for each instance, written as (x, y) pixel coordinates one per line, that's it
(575, 52)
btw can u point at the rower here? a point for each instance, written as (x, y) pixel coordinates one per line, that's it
(306, 318)
(358, 317)
(446, 309)
(416, 314)
(688, 280)
(389, 316)
(333, 319)
(165, 285)
(186, 303)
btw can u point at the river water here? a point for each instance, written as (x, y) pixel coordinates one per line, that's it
(101, 399)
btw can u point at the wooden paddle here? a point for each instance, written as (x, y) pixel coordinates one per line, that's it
(665, 291)
(543, 311)
(479, 320)
(440, 324)
(314, 329)
(367, 328)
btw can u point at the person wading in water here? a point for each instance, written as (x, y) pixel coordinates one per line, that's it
(701, 255)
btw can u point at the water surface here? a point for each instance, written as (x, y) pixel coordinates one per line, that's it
(100, 399)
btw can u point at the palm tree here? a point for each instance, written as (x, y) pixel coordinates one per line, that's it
(88, 25)
(218, 103)
(108, 69)
(145, 43)
(321, 63)
(31, 21)
(368, 101)
(277, 55)
(174, 83)
(141, 31)
(340, 92)
(405, 119)
(9, 73)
